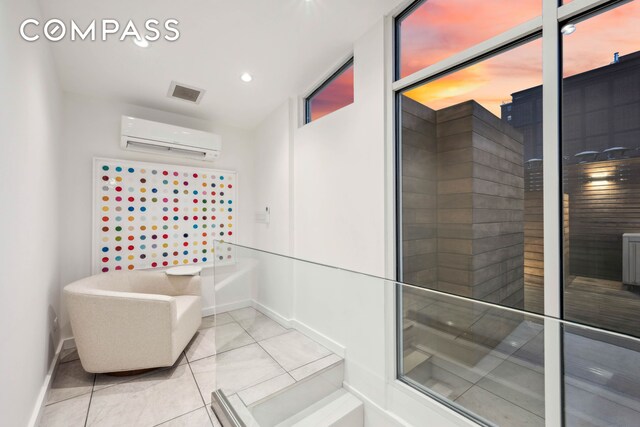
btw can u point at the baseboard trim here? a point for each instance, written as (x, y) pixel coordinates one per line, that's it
(38, 410)
(222, 308)
(332, 345)
(370, 405)
(68, 343)
(272, 314)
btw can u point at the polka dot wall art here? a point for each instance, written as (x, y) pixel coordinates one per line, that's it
(150, 216)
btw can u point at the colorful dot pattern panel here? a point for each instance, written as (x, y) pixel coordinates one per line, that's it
(157, 216)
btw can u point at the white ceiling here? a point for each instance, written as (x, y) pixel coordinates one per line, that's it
(287, 45)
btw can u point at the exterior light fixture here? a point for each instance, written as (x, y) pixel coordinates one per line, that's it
(568, 29)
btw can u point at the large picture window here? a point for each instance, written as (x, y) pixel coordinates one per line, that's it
(471, 146)
(471, 191)
(601, 168)
(517, 191)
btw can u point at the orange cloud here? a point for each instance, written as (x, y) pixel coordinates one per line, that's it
(440, 28)
(337, 94)
(490, 82)
(447, 90)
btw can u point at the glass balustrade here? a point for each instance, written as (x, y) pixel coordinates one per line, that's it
(307, 329)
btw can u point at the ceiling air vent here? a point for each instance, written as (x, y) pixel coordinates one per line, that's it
(185, 92)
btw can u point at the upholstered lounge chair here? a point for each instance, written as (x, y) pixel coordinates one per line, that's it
(129, 321)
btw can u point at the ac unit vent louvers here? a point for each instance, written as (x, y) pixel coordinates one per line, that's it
(161, 138)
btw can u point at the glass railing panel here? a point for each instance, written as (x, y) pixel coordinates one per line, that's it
(484, 361)
(300, 316)
(601, 378)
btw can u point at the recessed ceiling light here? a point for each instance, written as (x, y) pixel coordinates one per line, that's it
(141, 42)
(246, 77)
(568, 29)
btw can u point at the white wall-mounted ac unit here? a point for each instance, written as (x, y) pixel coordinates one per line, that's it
(160, 138)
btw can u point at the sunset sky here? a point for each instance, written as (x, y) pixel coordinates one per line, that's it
(440, 28)
(490, 82)
(337, 94)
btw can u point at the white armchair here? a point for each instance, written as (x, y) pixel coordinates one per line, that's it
(125, 321)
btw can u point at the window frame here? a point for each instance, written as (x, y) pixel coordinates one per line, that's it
(553, 16)
(398, 94)
(308, 99)
(397, 36)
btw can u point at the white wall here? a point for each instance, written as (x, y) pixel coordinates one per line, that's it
(272, 285)
(339, 205)
(338, 186)
(92, 129)
(272, 147)
(338, 202)
(339, 173)
(29, 197)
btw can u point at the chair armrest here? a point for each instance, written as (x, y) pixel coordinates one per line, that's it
(109, 325)
(104, 302)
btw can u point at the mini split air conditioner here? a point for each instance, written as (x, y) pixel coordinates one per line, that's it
(160, 138)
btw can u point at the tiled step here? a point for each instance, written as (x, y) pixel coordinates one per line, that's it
(339, 409)
(274, 408)
(414, 357)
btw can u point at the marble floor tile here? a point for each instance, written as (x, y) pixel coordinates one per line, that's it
(517, 384)
(105, 380)
(258, 392)
(412, 358)
(197, 418)
(612, 366)
(468, 361)
(216, 320)
(439, 380)
(495, 409)
(587, 408)
(313, 367)
(70, 381)
(606, 392)
(490, 330)
(579, 420)
(246, 313)
(531, 354)
(234, 370)
(293, 350)
(261, 327)
(68, 413)
(146, 401)
(448, 317)
(69, 355)
(519, 337)
(208, 342)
